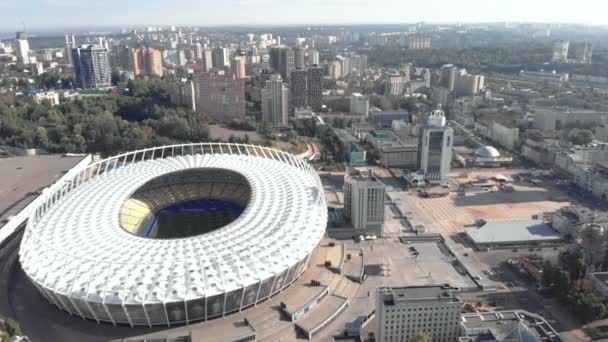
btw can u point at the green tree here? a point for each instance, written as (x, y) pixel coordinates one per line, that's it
(580, 136)
(42, 138)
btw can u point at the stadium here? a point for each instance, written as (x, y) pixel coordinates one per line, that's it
(175, 234)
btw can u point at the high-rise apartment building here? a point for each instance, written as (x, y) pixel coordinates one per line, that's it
(403, 313)
(221, 57)
(560, 51)
(22, 48)
(282, 60)
(174, 57)
(275, 102)
(37, 68)
(104, 43)
(199, 50)
(147, 61)
(220, 96)
(92, 66)
(435, 148)
(344, 64)
(47, 55)
(359, 104)
(364, 203)
(70, 43)
(298, 89)
(121, 57)
(237, 66)
(395, 85)
(299, 57)
(358, 63)
(584, 53)
(307, 88)
(446, 76)
(314, 87)
(313, 57)
(207, 59)
(462, 83)
(335, 70)
(419, 42)
(183, 93)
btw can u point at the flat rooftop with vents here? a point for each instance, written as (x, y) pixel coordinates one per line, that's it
(516, 325)
(418, 293)
(516, 233)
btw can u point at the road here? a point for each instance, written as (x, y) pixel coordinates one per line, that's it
(524, 296)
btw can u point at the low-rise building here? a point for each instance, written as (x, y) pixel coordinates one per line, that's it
(507, 326)
(541, 147)
(355, 154)
(570, 221)
(359, 104)
(504, 133)
(51, 97)
(569, 161)
(533, 265)
(386, 118)
(593, 179)
(587, 167)
(508, 234)
(556, 117)
(394, 151)
(550, 77)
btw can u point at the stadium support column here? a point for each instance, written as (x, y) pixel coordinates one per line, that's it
(257, 296)
(166, 313)
(242, 297)
(143, 306)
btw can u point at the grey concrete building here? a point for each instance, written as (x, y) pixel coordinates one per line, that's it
(92, 66)
(404, 312)
(275, 102)
(364, 203)
(435, 148)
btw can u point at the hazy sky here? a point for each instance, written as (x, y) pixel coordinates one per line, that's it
(73, 13)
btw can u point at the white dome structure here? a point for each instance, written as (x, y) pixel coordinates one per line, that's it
(112, 244)
(487, 152)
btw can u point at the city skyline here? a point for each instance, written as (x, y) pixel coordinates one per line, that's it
(47, 14)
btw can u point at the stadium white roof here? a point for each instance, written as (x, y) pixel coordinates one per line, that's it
(78, 247)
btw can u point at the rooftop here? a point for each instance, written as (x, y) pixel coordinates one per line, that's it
(418, 293)
(300, 296)
(345, 135)
(487, 152)
(517, 325)
(321, 312)
(382, 135)
(513, 232)
(23, 177)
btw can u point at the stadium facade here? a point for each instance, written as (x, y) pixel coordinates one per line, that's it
(103, 247)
